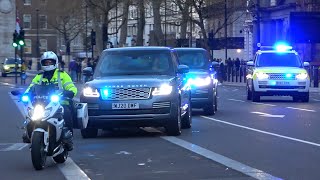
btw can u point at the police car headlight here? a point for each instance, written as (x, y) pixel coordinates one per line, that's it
(302, 76)
(90, 92)
(261, 75)
(6, 67)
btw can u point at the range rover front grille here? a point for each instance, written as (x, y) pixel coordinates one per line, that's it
(129, 93)
(281, 76)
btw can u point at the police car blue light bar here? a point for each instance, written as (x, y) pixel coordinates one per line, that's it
(281, 47)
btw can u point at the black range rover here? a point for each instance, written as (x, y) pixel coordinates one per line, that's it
(138, 86)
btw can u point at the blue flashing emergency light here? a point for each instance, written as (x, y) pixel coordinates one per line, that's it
(25, 98)
(55, 98)
(282, 47)
(104, 94)
(288, 75)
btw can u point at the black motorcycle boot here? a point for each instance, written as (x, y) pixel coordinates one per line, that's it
(67, 139)
(25, 138)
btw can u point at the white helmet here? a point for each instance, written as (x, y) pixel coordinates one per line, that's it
(49, 55)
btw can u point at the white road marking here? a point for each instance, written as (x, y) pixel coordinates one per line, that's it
(15, 147)
(316, 100)
(263, 104)
(236, 100)
(268, 115)
(235, 90)
(69, 169)
(238, 166)
(301, 109)
(261, 131)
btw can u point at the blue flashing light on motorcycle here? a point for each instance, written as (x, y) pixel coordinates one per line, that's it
(25, 98)
(55, 98)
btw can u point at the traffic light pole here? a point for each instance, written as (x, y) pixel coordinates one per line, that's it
(16, 64)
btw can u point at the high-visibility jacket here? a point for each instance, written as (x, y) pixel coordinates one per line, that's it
(61, 78)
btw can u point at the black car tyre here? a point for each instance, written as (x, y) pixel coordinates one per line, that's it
(249, 93)
(255, 95)
(187, 118)
(89, 133)
(210, 108)
(173, 126)
(305, 97)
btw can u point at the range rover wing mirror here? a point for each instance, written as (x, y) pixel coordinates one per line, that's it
(182, 69)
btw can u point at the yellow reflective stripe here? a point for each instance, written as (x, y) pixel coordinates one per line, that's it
(66, 84)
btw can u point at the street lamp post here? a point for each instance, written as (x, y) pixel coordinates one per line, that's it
(116, 45)
(37, 41)
(225, 30)
(165, 22)
(86, 36)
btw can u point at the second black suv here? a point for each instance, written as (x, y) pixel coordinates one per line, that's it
(201, 78)
(138, 86)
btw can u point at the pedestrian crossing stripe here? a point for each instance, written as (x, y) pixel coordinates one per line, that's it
(12, 146)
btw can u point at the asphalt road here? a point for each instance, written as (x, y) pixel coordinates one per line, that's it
(276, 138)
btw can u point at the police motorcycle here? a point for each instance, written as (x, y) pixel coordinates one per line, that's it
(45, 123)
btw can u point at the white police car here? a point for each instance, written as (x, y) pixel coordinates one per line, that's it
(278, 72)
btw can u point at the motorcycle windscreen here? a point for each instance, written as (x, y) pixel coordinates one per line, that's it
(40, 94)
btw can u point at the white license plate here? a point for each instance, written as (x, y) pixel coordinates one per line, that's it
(125, 105)
(282, 83)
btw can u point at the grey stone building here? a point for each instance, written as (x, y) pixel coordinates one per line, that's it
(7, 27)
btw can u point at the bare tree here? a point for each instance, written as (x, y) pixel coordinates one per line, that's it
(184, 7)
(69, 22)
(141, 22)
(124, 28)
(158, 34)
(216, 9)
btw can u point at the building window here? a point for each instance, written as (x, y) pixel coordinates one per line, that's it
(43, 2)
(28, 46)
(43, 45)
(27, 21)
(43, 21)
(27, 2)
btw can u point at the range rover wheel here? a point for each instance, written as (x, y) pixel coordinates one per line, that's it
(187, 118)
(89, 133)
(210, 109)
(249, 94)
(255, 96)
(173, 126)
(305, 97)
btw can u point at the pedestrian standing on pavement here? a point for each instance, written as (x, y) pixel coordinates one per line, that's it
(73, 70)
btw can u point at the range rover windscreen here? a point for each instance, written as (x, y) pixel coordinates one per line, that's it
(194, 60)
(148, 62)
(278, 59)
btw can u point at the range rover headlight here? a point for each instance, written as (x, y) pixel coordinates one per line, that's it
(90, 92)
(261, 75)
(302, 76)
(164, 89)
(200, 81)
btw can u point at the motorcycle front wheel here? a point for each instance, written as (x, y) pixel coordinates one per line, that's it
(38, 154)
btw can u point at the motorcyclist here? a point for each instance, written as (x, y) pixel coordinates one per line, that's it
(51, 74)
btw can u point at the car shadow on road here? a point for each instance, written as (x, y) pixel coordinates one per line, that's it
(130, 133)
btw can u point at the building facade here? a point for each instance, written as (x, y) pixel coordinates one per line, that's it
(7, 27)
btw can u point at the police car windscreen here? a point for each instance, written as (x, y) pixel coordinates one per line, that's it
(135, 62)
(278, 59)
(12, 61)
(193, 59)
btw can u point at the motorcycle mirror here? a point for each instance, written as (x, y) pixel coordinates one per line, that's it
(16, 93)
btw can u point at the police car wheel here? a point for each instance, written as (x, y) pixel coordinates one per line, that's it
(305, 97)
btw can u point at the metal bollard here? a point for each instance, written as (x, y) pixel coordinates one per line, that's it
(237, 72)
(241, 73)
(245, 74)
(315, 76)
(232, 73)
